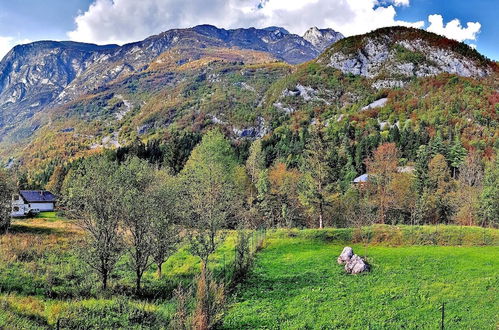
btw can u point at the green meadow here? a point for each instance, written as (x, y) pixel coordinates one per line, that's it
(294, 283)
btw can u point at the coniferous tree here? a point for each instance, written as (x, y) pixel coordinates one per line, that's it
(457, 154)
(316, 187)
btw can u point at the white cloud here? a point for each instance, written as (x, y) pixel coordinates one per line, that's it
(121, 21)
(453, 29)
(6, 44)
(401, 2)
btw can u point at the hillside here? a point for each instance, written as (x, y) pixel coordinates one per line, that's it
(192, 79)
(392, 56)
(46, 74)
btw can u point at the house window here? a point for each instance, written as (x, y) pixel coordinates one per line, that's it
(15, 208)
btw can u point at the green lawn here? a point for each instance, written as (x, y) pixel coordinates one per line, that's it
(297, 284)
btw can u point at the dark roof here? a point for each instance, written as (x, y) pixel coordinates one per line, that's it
(37, 196)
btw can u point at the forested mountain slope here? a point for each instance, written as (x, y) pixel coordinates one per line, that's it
(45, 74)
(182, 82)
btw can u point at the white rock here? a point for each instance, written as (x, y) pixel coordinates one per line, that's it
(356, 265)
(345, 255)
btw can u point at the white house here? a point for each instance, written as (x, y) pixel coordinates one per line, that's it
(32, 201)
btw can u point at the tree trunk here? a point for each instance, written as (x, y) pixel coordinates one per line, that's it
(104, 279)
(159, 272)
(138, 282)
(320, 221)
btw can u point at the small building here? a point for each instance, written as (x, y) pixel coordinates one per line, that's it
(364, 178)
(361, 179)
(32, 202)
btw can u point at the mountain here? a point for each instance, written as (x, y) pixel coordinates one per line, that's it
(391, 56)
(93, 97)
(47, 73)
(322, 38)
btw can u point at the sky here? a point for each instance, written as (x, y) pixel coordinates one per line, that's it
(121, 21)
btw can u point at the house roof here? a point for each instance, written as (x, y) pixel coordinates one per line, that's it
(362, 178)
(38, 196)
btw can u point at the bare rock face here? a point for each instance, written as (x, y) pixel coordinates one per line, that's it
(356, 265)
(322, 38)
(345, 255)
(400, 53)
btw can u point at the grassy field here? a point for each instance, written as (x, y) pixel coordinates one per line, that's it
(43, 281)
(297, 284)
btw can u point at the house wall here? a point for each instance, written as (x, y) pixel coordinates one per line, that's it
(43, 207)
(19, 208)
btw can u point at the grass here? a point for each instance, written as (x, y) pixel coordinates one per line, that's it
(43, 281)
(297, 284)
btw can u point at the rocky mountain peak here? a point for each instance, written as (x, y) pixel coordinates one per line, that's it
(322, 38)
(404, 53)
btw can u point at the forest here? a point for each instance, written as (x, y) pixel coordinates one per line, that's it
(139, 206)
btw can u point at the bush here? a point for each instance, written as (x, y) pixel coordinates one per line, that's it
(400, 235)
(111, 314)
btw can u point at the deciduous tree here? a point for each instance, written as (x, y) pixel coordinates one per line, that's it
(6, 191)
(382, 167)
(316, 187)
(93, 196)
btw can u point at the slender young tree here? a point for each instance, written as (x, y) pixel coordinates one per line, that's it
(137, 178)
(382, 167)
(254, 165)
(210, 186)
(440, 186)
(209, 183)
(316, 187)
(469, 188)
(164, 219)
(92, 195)
(489, 198)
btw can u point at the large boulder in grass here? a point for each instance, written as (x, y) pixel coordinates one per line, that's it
(356, 265)
(345, 255)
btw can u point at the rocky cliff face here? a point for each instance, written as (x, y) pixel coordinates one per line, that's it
(322, 38)
(391, 56)
(33, 75)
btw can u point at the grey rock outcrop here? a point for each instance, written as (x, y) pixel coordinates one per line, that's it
(353, 263)
(322, 38)
(345, 255)
(356, 265)
(404, 53)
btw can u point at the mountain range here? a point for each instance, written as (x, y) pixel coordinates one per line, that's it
(59, 100)
(48, 73)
